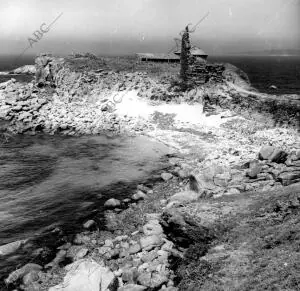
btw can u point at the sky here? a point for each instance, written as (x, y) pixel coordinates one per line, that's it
(119, 27)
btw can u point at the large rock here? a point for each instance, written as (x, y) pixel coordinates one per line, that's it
(272, 154)
(20, 273)
(288, 178)
(139, 195)
(112, 203)
(208, 178)
(265, 152)
(11, 247)
(166, 176)
(183, 229)
(185, 196)
(87, 275)
(254, 169)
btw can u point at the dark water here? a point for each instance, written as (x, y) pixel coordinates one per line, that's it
(282, 72)
(263, 72)
(61, 181)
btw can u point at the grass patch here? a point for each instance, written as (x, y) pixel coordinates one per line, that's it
(260, 248)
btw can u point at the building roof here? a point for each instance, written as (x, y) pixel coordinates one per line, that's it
(195, 51)
(171, 56)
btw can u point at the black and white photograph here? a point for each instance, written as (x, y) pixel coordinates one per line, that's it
(150, 145)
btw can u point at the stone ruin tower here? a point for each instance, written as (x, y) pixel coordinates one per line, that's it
(194, 69)
(185, 55)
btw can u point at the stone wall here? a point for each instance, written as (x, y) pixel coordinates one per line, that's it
(201, 72)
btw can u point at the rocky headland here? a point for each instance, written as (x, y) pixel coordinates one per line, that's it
(225, 216)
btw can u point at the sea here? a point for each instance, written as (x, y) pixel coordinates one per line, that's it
(51, 185)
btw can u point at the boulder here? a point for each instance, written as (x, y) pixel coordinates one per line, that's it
(20, 273)
(11, 247)
(272, 154)
(278, 156)
(112, 203)
(202, 180)
(265, 152)
(87, 275)
(166, 176)
(184, 196)
(288, 178)
(183, 229)
(139, 195)
(254, 169)
(89, 224)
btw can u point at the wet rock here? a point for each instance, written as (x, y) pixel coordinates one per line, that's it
(112, 203)
(166, 176)
(87, 275)
(20, 273)
(11, 247)
(89, 224)
(139, 196)
(143, 188)
(81, 239)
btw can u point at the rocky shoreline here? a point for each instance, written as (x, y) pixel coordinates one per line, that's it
(250, 150)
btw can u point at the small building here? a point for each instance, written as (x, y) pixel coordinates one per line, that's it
(162, 58)
(196, 52)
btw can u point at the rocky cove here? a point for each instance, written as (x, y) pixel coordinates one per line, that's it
(243, 153)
